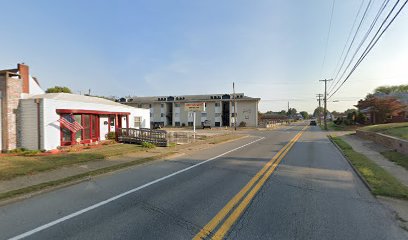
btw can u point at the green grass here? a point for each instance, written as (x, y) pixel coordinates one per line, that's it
(223, 138)
(381, 182)
(331, 126)
(41, 186)
(398, 158)
(13, 166)
(399, 130)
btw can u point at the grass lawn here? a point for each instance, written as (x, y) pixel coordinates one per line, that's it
(331, 126)
(13, 166)
(398, 158)
(399, 130)
(381, 182)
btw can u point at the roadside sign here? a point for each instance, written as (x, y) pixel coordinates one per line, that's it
(194, 107)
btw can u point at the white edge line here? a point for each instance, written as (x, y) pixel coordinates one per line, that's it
(77, 213)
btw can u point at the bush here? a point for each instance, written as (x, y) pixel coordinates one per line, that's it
(30, 152)
(111, 136)
(242, 124)
(148, 145)
(338, 121)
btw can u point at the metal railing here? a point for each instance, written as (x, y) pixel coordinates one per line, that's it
(134, 135)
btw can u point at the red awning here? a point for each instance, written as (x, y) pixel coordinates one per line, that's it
(82, 111)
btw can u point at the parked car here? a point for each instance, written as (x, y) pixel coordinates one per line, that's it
(313, 122)
(157, 125)
(206, 124)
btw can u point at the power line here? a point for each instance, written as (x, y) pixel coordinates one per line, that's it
(348, 38)
(328, 34)
(383, 6)
(373, 42)
(352, 41)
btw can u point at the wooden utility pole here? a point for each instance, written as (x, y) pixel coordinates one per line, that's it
(325, 101)
(320, 106)
(235, 106)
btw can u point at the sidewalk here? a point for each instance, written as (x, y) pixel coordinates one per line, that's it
(372, 151)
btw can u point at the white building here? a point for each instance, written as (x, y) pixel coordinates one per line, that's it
(31, 118)
(219, 111)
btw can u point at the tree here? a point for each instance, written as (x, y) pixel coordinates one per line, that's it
(392, 89)
(58, 89)
(304, 114)
(317, 111)
(292, 111)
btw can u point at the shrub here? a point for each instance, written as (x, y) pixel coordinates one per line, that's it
(148, 145)
(111, 136)
(30, 152)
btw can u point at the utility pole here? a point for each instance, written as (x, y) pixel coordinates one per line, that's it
(320, 106)
(325, 101)
(235, 106)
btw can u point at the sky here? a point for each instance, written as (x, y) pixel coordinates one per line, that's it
(274, 50)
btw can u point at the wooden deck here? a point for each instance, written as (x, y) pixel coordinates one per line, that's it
(133, 135)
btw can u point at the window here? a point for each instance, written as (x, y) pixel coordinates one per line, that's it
(177, 105)
(217, 104)
(162, 105)
(161, 114)
(150, 105)
(177, 124)
(138, 122)
(177, 115)
(190, 124)
(217, 114)
(203, 114)
(112, 121)
(217, 124)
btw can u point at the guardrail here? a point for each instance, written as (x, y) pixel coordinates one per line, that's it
(134, 135)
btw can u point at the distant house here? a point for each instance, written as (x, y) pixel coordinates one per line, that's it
(33, 119)
(394, 105)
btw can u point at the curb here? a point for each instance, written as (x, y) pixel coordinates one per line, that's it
(352, 166)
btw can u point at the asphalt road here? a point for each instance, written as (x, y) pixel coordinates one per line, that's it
(312, 194)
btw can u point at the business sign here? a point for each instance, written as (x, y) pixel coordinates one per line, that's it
(194, 107)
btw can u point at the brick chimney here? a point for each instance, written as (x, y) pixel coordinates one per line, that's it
(24, 73)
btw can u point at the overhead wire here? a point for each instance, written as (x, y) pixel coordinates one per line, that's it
(348, 39)
(351, 44)
(373, 23)
(328, 34)
(373, 41)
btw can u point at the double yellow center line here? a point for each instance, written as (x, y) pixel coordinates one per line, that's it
(249, 192)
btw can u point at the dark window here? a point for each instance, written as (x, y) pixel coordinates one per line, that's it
(177, 124)
(190, 124)
(217, 124)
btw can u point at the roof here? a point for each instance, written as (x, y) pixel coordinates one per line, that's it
(77, 98)
(185, 98)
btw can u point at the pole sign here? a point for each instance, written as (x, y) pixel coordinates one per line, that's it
(194, 107)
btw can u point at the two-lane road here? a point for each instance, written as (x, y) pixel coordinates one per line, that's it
(287, 183)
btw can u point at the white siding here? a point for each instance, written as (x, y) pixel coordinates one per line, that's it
(34, 88)
(51, 124)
